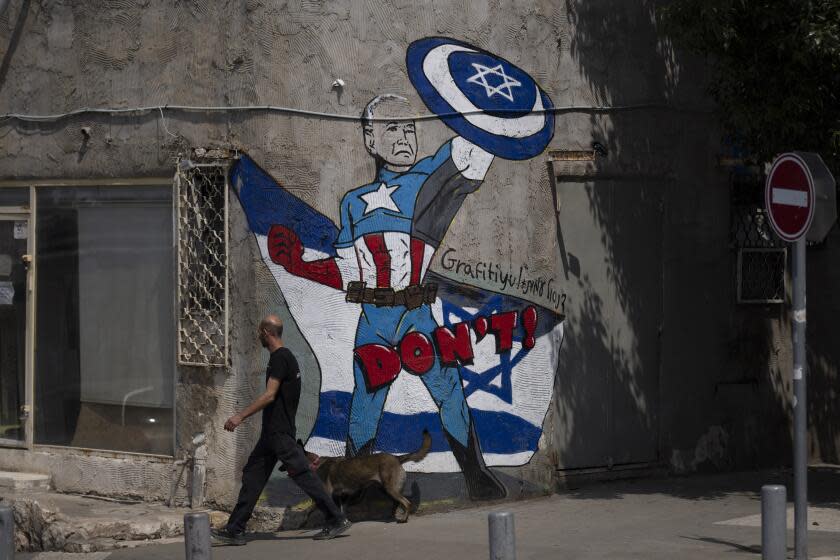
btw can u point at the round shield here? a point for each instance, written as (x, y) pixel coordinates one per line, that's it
(482, 97)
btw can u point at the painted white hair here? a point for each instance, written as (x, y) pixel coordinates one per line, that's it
(370, 108)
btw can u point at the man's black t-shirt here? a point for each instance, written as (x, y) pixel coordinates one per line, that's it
(279, 416)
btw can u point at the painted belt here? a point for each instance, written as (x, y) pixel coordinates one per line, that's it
(411, 297)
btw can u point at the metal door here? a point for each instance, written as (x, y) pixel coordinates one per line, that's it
(15, 339)
(608, 385)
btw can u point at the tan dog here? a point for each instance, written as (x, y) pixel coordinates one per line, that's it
(349, 477)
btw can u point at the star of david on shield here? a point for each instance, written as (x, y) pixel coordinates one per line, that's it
(482, 97)
(502, 89)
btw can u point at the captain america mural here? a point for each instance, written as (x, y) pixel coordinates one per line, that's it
(402, 348)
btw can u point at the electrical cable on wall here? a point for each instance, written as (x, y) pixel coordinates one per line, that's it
(308, 113)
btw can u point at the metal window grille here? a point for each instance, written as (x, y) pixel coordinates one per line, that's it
(761, 255)
(761, 275)
(202, 209)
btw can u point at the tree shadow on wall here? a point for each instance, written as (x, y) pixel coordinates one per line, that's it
(608, 405)
(608, 389)
(19, 24)
(652, 342)
(823, 277)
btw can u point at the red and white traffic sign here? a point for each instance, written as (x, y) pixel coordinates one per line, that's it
(789, 197)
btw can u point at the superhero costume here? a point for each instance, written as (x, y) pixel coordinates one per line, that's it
(390, 229)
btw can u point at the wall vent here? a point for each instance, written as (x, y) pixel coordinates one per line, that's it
(761, 275)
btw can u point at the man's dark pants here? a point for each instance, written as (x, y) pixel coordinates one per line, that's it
(270, 449)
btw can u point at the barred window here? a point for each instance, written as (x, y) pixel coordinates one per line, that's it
(202, 207)
(761, 275)
(761, 255)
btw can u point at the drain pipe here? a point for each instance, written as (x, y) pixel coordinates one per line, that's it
(178, 468)
(199, 470)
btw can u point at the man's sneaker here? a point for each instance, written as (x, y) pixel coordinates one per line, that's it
(223, 537)
(333, 530)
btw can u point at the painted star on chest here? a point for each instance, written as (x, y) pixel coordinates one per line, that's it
(380, 198)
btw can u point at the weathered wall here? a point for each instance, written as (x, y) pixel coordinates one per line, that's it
(98, 472)
(642, 254)
(823, 351)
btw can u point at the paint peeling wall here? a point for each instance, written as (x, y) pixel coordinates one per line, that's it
(652, 342)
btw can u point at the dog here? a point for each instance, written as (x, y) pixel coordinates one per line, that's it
(349, 477)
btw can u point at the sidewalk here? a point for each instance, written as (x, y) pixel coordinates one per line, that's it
(699, 517)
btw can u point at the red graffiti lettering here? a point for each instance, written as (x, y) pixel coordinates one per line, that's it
(380, 364)
(454, 347)
(502, 325)
(481, 325)
(529, 324)
(417, 353)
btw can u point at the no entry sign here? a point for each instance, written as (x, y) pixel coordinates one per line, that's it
(795, 182)
(789, 197)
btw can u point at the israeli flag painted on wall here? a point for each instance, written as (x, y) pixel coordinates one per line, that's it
(508, 393)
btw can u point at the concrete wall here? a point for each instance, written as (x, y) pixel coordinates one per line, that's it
(653, 342)
(823, 352)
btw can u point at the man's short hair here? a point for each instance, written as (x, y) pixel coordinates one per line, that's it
(370, 108)
(272, 328)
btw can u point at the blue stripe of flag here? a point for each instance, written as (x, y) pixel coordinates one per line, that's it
(266, 203)
(498, 432)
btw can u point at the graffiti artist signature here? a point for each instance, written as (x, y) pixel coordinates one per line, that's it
(506, 280)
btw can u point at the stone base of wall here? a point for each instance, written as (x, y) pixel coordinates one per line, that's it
(47, 521)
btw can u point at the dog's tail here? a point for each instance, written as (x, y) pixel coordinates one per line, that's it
(421, 453)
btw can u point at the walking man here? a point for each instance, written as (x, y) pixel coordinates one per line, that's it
(277, 441)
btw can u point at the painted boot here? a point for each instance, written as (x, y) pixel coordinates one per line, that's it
(481, 483)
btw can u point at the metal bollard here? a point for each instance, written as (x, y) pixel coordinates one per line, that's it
(773, 522)
(502, 536)
(197, 536)
(7, 533)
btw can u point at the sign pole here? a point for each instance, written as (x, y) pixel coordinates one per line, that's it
(800, 405)
(800, 197)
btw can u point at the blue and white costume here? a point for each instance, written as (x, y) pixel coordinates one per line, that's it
(390, 229)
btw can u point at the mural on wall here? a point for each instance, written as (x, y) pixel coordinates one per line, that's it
(401, 348)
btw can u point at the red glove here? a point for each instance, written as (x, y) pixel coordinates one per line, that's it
(285, 249)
